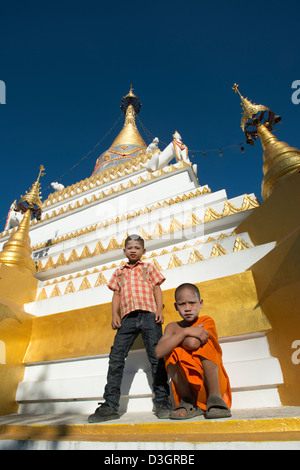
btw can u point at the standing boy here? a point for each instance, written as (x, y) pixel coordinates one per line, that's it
(138, 297)
(194, 360)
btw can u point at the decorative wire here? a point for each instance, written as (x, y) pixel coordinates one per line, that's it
(218, 149)
(88, 154)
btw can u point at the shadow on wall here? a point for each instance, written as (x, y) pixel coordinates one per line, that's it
(278, 283)
(75, 387)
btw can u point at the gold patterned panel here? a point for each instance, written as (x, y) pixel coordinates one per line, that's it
(195, 256)
(145, 235)
(218, 250)
(42, 295)
(156, 264)
(249, 203)
(229, 209)
(85, 284)
(159, 231)
(101, 281)
(49, 264)
(240, 244)
(86, 253)
(61, 260)
(70, 288)
(73, 256)
(113, 245)
(192, 220)
(175, 225)
(99, 249)
(211, 214)
(174, 262)
(55, 292)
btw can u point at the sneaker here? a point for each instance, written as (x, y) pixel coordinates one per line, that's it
(163, 410)
(104, 412)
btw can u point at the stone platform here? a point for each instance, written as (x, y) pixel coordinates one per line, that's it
(268, 428)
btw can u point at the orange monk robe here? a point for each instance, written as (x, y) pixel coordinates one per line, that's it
(191, 367)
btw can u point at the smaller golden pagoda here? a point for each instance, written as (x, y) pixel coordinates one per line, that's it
(17, 250)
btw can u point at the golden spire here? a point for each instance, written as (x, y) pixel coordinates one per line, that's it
(130, 135)
(17, 250)
(280, 159)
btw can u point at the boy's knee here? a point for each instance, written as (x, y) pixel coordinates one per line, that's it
(191, 343)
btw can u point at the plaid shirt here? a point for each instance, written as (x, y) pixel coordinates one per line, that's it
(136, 284)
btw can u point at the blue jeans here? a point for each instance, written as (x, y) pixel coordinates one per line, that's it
(131, 325)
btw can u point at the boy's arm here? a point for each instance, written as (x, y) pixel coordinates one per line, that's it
(159, 316)
(176, 336)
(116, 321)
(173, 337)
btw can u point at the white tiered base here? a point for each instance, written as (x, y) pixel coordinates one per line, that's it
(76, 386)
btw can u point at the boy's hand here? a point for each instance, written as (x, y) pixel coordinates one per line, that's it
(116, 321)
(198, 332)
(159, 316)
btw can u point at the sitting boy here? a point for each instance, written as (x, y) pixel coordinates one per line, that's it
(193, 359)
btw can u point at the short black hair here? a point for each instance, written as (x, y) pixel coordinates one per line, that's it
(187, 285)
(134, 236)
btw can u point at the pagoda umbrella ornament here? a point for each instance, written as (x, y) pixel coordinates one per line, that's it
(130, 99)
(253, 115)
(32, 200)
(280, 160)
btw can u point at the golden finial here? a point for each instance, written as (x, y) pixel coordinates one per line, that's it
(32, 200)
(131, 91)
(250, 110)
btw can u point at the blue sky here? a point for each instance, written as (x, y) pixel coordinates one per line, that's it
(67, 64)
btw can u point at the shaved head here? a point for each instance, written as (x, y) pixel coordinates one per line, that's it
(187, 285)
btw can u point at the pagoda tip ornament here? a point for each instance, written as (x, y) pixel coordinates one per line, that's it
(130, 99)
(32, 200)
(17, 250)
(253, 115)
